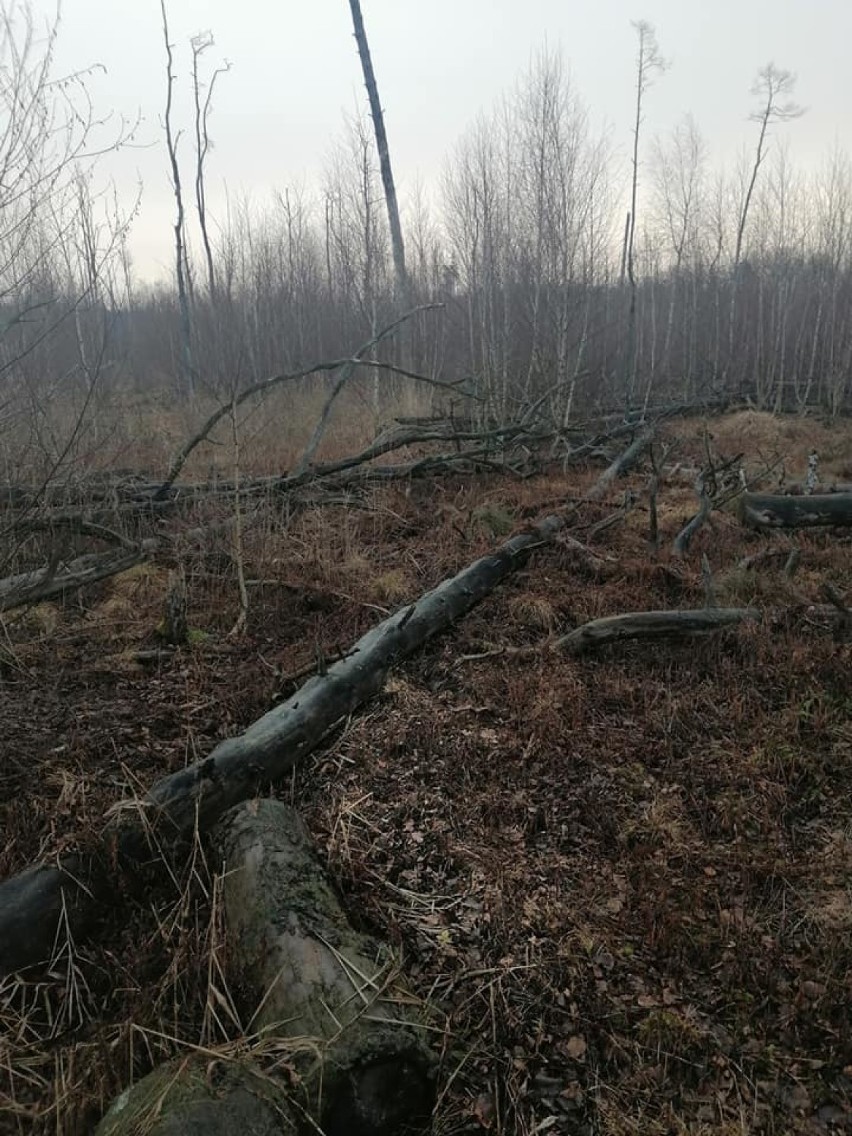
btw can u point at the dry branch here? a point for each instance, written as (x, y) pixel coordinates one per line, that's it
(651, 625)
(346, 366)
(46, 583)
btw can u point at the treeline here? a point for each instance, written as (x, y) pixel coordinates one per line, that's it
(742, 277)
(738, 283)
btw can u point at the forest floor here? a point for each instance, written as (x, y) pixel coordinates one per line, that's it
(622, 882)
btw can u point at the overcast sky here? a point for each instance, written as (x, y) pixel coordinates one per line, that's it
(295, 73)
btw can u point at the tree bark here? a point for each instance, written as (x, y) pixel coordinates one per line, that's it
(763, 511)
(366, 1068)
(43, 584)
(199, 1096)
(651, 625)
(324, 996)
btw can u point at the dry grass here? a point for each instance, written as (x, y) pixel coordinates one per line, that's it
(623, 883)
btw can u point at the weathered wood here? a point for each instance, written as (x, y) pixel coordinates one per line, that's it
(239, 768)
(200, 1096)
(763, 511)
(45, 584)
(651, 625)
(682, 541)
(366, 1066)
(324, 1000)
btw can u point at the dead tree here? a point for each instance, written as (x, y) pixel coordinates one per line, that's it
(326, 993)
(651, 625)
(397, 243)
(181, 259)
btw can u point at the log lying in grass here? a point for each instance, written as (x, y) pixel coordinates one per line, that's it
(651, 625)
(763, 511)
(239, 768)
(200, 1096)
(316, 978)
(360, 1060)
(46, 584)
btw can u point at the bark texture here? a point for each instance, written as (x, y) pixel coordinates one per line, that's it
(651, 625)
(199, 1097)
(365, 1066)
(770, 512)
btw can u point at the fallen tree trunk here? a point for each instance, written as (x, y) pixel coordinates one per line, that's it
(318, 993)
(367, 1067)
(763, 511)
(199, 1096)
(45, 584)
(651, 625)
(239, 768)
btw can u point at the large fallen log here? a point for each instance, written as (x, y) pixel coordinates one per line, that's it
(319, 992)
(317, 979)
(200, 1096)
(194, 798)
(763, 511)
(651, 625)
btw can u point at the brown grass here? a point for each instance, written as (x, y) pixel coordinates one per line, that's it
(622, 882)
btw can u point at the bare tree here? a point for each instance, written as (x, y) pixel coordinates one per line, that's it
(56, 246)
(182, 270)
(199, 44)
(649, 62)
(773, 86)
(678, 189)
(397, 243)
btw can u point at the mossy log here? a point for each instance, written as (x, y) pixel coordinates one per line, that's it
(365, 1066)
(762, 511)
(194, 798)
(651, 625)
(357, 1061)
(199, 1096)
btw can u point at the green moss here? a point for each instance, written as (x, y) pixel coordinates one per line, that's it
(495, 520)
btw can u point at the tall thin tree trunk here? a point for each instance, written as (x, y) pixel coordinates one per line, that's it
(181, 262)
(378, 117)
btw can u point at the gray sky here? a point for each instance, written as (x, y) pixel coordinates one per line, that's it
(296, 71)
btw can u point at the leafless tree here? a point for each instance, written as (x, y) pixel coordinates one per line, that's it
(774, 87)
(649, 62)
(203, 105)
(182, 268)
(397, 243)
